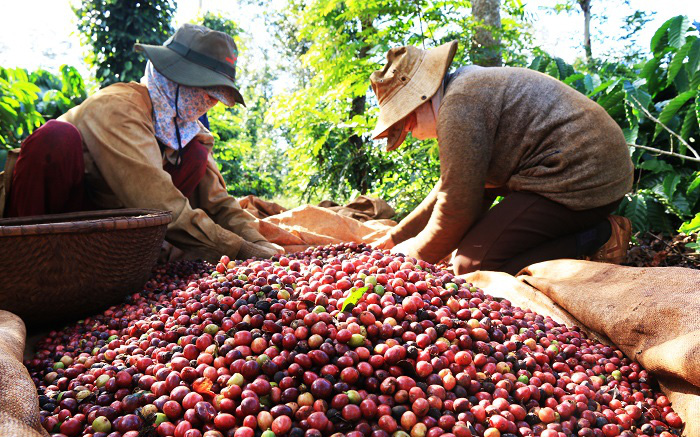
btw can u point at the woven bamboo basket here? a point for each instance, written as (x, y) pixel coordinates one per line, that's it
(64, 266)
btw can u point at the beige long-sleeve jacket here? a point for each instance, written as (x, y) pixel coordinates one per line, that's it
(124, 169)
(522, 130)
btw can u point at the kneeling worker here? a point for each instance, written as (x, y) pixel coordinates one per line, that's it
(139, 145)
(560, 161)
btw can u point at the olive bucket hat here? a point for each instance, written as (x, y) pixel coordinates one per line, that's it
(196, 56)
(410, 77)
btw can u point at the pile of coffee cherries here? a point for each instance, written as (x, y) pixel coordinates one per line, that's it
(336, 340)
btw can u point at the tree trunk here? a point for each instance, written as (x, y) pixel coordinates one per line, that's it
(358, 108)
(486, 42)
(586, 8)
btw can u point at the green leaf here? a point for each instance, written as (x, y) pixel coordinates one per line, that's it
(677, 31)
(603, 86)
(694, 184)
(656, 166)
(610, 101)
(565, 70)
(670, 183)
(631, 134)
(573, 78)
(636, 210)
(659, 34)
(638, 97)
(693, 57)
(3, 157)
(695, 80)
(682, 81)
(691, 226)
(328, 8)
(539, 64)
(690, 123)
(354, 297)
(657, 218)
(677, 62)
(651, 74)
(693, 246)
(657, 192)
(672, 108)
(8, 109)
(680, 206)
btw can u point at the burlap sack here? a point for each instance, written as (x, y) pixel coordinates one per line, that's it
(363, 208)
(658, 307)
(260, 208)
(520, 294)
(19, 404)
(305, 226)
(651, 314)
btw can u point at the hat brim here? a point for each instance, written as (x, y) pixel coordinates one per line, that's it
(422, 86)
(395, 135)
(182, 71)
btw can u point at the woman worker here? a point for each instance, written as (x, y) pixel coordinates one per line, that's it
(558, 158)
(139, 145)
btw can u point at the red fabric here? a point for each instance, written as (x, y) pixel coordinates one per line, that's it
(193, 166)
(49, 173)
(48, 177)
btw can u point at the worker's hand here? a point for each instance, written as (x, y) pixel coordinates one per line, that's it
(272, 246)
(386, 242)
(169, 253)
(260, 249)
(406, 248)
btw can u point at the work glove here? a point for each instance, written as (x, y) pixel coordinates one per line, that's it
(260, 249)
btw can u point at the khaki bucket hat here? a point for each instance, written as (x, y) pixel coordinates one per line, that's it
(410, 77)
(196, 56)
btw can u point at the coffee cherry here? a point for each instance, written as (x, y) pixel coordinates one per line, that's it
(259, 347)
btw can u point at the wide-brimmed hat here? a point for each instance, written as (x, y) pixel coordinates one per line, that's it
(196, 56)
(410, 77)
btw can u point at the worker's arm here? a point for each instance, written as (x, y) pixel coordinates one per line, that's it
(415, 222)
(466, 129)
(121, 140)
(224, 209)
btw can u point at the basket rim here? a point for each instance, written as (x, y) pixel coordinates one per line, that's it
(84, 222)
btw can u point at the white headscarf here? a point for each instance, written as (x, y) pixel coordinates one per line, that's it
(191, 103)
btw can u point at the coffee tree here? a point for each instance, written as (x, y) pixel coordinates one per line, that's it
(110, 28)
(331, 48)
(655, 102)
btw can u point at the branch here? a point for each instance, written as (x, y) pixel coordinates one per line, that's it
(665, 152)
(673, 249)
(656, 120)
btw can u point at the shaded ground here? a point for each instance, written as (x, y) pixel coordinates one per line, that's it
(657, 250)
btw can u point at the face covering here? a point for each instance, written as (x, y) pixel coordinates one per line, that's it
(190, 103)
(436, 100)
(427, 115)
(426, 124)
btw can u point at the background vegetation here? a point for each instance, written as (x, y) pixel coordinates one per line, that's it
(111, 27)
(312, 141)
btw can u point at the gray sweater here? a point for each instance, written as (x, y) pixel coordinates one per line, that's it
(522, 130)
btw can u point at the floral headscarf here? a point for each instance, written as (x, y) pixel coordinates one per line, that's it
(192, 103)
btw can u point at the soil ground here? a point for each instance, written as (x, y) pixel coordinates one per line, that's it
(658, 250)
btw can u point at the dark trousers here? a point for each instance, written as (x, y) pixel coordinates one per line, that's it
(526, 228)
(49, 174)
